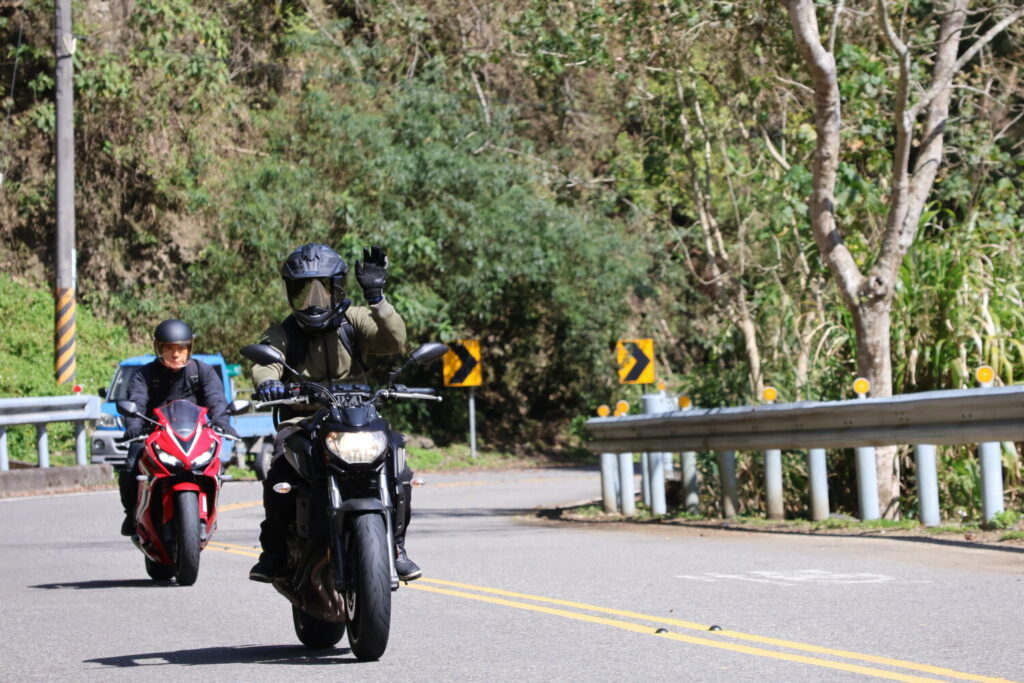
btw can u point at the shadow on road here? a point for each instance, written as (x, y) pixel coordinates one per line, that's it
(245, 654)
(106, 583)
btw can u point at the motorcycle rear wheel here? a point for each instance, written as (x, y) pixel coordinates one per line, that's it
(159, 572)
(368, 604)
(315, 633)
(187, 515)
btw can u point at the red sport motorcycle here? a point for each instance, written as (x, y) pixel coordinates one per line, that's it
(179, 483)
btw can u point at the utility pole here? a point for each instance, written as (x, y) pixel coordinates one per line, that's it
(64, 294)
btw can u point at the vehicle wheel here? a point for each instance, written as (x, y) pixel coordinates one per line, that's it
(368, 603)
(261, 463)
(159, 572)
(187, 516)
(315, 633)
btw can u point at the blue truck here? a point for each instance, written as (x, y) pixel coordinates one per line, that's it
(256, 430)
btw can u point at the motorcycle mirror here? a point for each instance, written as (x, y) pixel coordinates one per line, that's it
(261, 354)
(238, 406)
(128, 409)
(427, 353)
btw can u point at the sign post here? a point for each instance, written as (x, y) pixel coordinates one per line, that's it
(462, 368)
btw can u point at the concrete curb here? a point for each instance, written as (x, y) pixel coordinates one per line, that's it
(38, 480)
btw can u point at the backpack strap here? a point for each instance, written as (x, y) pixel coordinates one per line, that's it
(350, 340)
(192, 377)
(295, 354)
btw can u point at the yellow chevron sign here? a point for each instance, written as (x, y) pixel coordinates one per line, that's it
(635, 358)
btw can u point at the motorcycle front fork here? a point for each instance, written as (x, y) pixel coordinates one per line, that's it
(337, 519)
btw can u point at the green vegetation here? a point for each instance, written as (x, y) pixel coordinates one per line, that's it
(547, 178)
(26, 361)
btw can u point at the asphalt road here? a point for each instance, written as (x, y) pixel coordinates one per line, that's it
(509, 596)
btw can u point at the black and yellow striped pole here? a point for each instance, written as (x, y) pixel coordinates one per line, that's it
(64, 342)
(64, 291)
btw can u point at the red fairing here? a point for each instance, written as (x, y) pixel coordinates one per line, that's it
(182, 454)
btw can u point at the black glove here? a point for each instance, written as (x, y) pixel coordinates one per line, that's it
(372, 273)
(269, 390)
(227, 429)
(128, 435)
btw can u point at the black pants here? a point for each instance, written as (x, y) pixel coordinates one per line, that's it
(126, 481)
(279, 509)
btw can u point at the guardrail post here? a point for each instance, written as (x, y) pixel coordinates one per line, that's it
(991, 479)
(818, 471)
(867, 483)
(657, 465)
(42, 445)
(727, 473)
(991, 457)
(654, 463)
(81, 445)
(627, 487)
(645, 478)
(609, 482)
(691, 492)
(927, 484)
(773, 483)
(5, 464)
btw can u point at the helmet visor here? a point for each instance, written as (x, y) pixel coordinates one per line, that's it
(309, 293)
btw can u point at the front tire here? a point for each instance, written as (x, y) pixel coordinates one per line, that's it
(315, 633)
(368, 604)
(187, 516)
(159, 572)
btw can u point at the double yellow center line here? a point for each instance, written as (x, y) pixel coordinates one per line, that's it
(636, 622)
(722, 640)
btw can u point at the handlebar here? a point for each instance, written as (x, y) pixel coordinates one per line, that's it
(399, 391)
(411, 394)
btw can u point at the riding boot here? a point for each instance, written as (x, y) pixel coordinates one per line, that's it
(128, 487)
(273, 529)
(406, 568)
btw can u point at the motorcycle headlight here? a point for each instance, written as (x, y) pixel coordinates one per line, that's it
(206, 457)
(355, 448)
(166, 458)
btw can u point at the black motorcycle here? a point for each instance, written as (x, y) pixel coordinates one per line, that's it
(341, 547)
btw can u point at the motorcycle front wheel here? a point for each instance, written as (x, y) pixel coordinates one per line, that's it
(187, 515)
(159, 572)
(315, 633)
(368, 602)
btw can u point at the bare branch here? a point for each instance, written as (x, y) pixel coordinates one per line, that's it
(968, 55)
(835, 26)
(773, 151)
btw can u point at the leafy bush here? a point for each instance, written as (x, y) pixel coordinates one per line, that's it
(27, 359)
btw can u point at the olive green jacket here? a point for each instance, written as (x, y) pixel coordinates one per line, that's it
(378, 328)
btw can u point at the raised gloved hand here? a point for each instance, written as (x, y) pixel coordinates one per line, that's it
(372, 273)
(269, 390)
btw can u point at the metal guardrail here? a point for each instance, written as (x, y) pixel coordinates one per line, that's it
(42, 410)
(983, 416)
(931, 417)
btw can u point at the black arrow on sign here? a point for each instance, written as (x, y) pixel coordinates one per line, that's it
(642, 361)
(468, 363)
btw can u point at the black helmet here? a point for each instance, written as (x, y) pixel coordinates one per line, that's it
(314, 280)
(172, 331)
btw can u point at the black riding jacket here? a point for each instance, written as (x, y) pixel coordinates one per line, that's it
(154, 384)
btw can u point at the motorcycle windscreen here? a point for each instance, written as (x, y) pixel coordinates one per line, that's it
(182, 416)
